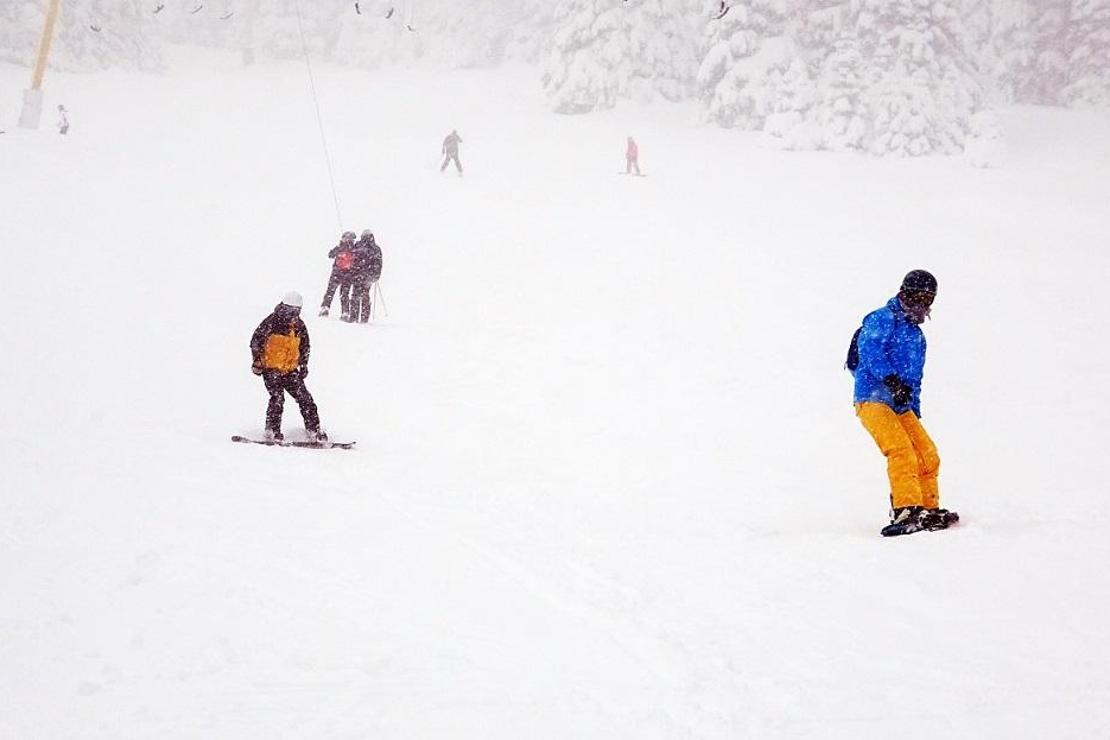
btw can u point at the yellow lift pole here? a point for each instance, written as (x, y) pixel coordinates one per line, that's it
(32, 99)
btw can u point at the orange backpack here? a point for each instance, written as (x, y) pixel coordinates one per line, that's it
(282, 352)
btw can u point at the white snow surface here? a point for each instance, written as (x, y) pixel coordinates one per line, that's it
(608, 481)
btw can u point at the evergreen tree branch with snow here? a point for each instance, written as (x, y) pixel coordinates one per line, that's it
(89, 35)
(602, 51)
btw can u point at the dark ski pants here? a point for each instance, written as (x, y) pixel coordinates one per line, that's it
(451, 156)
(360, 301)
(278, 384)
(338, 281)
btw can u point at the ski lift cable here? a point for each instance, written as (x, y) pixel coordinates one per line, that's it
(319, 118)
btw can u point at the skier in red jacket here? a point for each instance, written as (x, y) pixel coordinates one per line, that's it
(342, 272)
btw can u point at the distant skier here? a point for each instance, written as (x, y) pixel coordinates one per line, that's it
(368, 269)
(451, 151)
(63, 120)
(279, 352)
(342, 271)
(631, 157)
(887, 359)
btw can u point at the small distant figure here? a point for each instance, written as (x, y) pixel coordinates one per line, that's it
(631, 157)
(63, 120)
(367, 270)
(451, 151)
(279, 352)
(342, 271)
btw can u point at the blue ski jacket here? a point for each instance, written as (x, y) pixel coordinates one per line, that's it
(890, 345)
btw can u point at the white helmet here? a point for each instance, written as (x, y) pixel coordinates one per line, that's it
(293, 298)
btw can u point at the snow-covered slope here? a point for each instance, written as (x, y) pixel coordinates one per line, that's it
(609, 482)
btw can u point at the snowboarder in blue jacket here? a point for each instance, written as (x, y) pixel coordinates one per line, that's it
(887, 360)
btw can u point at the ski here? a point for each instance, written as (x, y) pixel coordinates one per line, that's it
(295, 443)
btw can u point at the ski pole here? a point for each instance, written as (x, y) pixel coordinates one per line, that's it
(381, 297)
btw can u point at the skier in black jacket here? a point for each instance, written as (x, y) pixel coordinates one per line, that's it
(368, 268)
(279, 353)
(450, 151)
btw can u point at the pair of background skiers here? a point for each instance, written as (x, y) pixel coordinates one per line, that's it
(887, 360)
(356, 266)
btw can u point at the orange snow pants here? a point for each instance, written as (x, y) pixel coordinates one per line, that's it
(912, 461)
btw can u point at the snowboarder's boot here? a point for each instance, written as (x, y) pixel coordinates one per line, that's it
(317, 435)
(905, 520)
(273, 435)
(324, 310)
(934, 519)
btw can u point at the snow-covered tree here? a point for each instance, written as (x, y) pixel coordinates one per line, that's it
(748, 51)
(832, 113)
(1056, 52)
(839, 118)
(479, 33)
(583, 69)
(888, 76)
(20, 28)
(382, 34)
(1036, 53)
(920, 73)
(1089, 54)
(482, 33)
(602, 51)
(213, 23)
(272, 28)
(1009, 48)
(89, 34)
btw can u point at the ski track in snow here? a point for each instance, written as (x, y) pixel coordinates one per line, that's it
(608, 482)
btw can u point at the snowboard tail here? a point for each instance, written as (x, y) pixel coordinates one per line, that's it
(295, 443)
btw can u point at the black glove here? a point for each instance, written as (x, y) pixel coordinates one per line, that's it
(256, 368)
(901, 392)
(303, 370)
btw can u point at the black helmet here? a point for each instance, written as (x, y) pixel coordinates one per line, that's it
(348, 236)
(919, 281)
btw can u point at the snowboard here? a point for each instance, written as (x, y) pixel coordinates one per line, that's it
(632, 174)
(951, 518)
(295, 443)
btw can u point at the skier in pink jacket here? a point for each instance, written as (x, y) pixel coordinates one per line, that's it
(631, 157)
